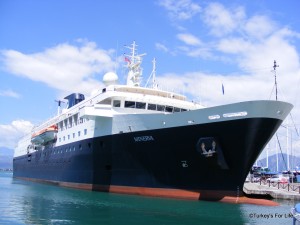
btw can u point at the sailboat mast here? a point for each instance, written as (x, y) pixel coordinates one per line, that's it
(274, 70)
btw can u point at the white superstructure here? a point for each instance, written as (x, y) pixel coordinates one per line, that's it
(94, 116)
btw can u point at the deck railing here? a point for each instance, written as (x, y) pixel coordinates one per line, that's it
(279, 185)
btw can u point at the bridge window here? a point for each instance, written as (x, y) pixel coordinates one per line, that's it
(151, 106)
(140, 105)
(129, 104)
(161, 108)
(106, 101)
(169, 109)
(116, 103)
(176, 109)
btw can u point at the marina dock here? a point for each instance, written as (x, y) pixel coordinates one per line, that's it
(272, 190)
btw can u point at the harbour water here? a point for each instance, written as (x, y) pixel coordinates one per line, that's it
(25, 202)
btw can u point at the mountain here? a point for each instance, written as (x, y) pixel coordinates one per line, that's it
(6, 158)
(294, 162)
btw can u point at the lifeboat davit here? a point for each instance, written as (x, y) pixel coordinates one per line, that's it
(45, 135)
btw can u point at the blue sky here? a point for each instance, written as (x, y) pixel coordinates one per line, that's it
(49, 49)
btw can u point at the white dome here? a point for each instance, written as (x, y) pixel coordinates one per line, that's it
(110, 78)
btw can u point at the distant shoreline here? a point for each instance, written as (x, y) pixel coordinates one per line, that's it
(5, 170)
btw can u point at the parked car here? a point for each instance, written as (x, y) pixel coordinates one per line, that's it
(256, 179)
(278, 178)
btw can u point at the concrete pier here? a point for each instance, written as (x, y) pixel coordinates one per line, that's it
(269, 191)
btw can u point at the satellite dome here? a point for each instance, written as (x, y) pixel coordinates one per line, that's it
(110, 78)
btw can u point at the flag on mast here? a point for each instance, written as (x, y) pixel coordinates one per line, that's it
(127, 60)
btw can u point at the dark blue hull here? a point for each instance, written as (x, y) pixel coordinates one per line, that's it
(170, 159)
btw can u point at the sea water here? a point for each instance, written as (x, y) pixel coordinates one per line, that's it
(25, 202)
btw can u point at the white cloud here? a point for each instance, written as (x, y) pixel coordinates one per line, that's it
(221, 20)
(250, 55)
(189, 39)
(65, 67)
(11, 133)
(161, 47)
(9, 93)
(180, 9)
(259, 26)
(234, 45)
(198, 52)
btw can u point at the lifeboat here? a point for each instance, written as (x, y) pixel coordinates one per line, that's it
(45, 135)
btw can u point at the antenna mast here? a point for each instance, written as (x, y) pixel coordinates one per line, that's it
(274, 70)
(134, 66)
(153, 75)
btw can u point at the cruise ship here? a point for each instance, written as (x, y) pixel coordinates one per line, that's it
(146, 141)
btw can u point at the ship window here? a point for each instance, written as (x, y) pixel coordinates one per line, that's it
(152, 106)
(129, 104)
(169, 108)
(64, 138)
(80, 147)
(183, 110)
(140, 105)
(61, 125)
(75, 119)
(106, 101)
(78, 133)
(65, 123)
(70, 122)
(68, 136)
(116, 103)
(176, 109)
(85, 131)
(161, 108)
(59, 139)
(73, 135)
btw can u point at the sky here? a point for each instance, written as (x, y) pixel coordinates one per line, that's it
(49, 49)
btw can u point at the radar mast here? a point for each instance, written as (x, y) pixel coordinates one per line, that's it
(134, 62)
